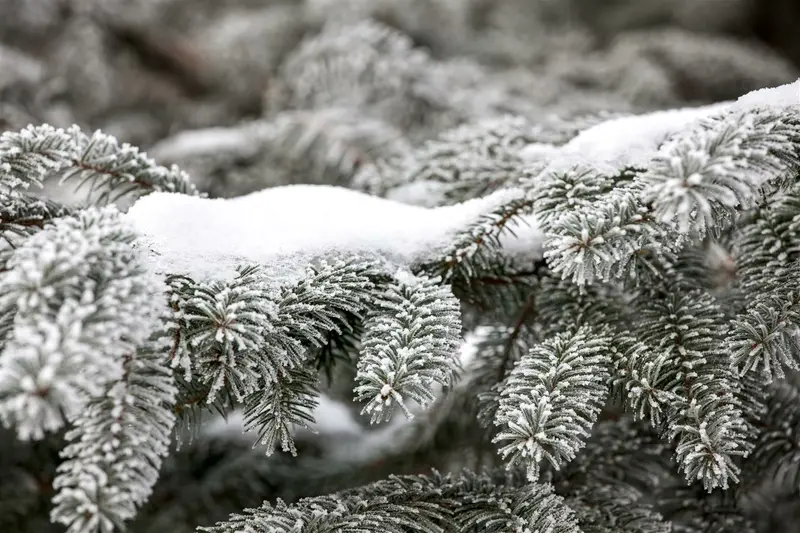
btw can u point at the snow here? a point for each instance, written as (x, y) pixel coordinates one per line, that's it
(634, 140)
(784, 95)
(283, 228)
(620, 142)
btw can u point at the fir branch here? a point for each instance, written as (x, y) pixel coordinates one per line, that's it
(20, 217)
(551, 399)
(84, 298)
(428, 504)
(225, 326)
(707, 419)
(275, 411)
(692, 509)
(561, 192)
(623, 453)
(214, 475)
(331, 293)
(116, 447)
(764, 336)
(776, 452)
(249, 341)
(702, 177)
(364, 65)
(474, 251)
(28, 156)
(641, 378)
(468, 162)
(410, 342)
(497, 353)
(110, 169)
(305, 314)
(329, 145)
(615, 237)
(603, 511)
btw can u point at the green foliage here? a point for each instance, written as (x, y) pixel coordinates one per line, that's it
(410, 341)
(667, 290)
(551, 399)
(429, 504)
(109, 169)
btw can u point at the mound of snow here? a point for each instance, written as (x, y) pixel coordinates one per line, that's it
(283, 228)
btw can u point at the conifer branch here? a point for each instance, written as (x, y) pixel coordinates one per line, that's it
(116, 446)
(83, 298)
(701, 178)
(473, 251)
(110, 169)
(707, 419)
(429, 504)
(409, 343)
(551, 399)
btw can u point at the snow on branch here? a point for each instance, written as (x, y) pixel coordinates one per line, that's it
(283, 228)
(632, 141)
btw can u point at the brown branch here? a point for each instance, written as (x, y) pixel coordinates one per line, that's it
(528, 310)
(100, 170)
(193, 400)
(24, 222)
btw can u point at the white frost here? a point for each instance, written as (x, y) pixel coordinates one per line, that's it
(283, 228)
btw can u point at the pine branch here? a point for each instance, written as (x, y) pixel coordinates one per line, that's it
(551, 399)
(410, 342)
(116, 447)
(109, 169)
(84, 299)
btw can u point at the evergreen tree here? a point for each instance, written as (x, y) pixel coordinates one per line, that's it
(437, 309)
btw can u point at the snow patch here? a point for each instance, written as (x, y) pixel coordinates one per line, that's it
(284, 228)
(622, 142)
(784, 95)
(632, 141)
